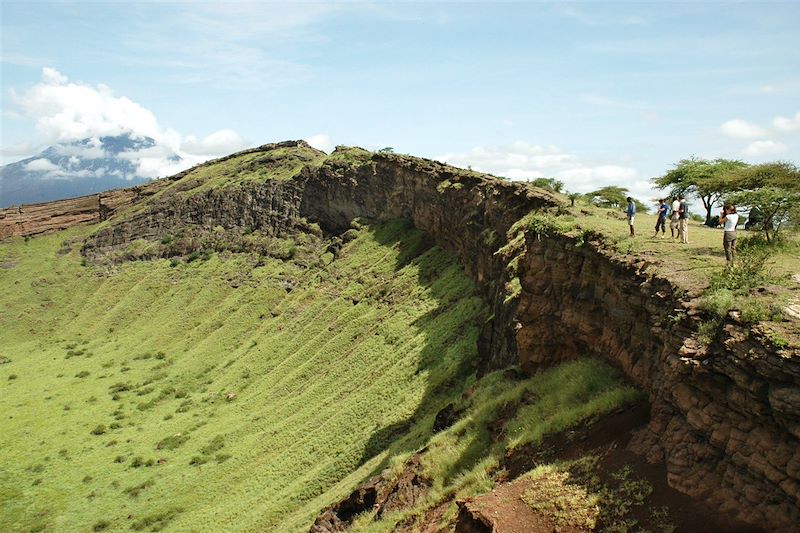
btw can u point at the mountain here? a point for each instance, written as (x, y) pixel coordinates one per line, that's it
(78, 168)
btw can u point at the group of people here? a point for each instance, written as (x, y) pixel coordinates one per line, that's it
(678, 214)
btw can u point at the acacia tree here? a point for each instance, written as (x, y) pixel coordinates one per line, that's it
(709, 180)
(610, 196)
(773, 191)
(614, 197)
(551, 184)
(773, 204)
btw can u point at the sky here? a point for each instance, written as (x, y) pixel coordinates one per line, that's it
(590, 93)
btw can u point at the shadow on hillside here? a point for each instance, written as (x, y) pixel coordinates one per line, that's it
(453, 321)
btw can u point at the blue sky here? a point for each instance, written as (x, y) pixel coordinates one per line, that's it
(592, 93)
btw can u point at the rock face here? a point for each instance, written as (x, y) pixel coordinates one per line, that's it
(383, 494)
(466, 213)
(725, 417)
(26, 220)
(271, 206)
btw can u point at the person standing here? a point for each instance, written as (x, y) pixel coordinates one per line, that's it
(631, 212)
(683, 218)
(673, 217)
(661, 217)
(729, 220)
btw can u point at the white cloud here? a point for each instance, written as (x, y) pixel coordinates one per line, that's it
(762, 148)
(787, 125)
(41, 165)
(65, 112)
(94, 150)
(321, 142)
(220, 142)
(741, 129)
(523, 161)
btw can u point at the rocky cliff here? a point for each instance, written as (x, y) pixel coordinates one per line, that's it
(725, 416)
(26, 220)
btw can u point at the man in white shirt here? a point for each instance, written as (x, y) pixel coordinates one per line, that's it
(673, 217)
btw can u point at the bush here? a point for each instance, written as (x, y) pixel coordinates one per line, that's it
(718, 302)
(171, 442)
(755, 310)
(746, 273)
(100, 429)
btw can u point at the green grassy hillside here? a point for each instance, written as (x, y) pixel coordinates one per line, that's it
(118, 397)
(244, 392)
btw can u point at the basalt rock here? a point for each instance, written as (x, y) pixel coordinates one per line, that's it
(724, 417)
(382, 494)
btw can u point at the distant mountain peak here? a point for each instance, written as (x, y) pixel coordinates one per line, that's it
(81, 167)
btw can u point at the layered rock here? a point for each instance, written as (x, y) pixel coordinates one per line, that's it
(725, 417)
(33, 219)
(271, 207)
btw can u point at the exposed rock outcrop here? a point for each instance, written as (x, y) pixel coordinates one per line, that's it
(724, 417)
(383, 494)
(33, 219)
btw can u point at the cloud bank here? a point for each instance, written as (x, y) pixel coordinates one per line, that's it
(766, 145)
(66, 112)
(524, 161)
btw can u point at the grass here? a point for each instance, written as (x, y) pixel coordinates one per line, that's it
(248, 167)
(465, 459)
(691, 265)
(288, 398)
(699, 268)
(204, 406)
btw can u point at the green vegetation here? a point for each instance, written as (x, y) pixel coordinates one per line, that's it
(574, 494)
(706, 179)
(277, 164)
(503, 414)
(770, 190)
(284, 379)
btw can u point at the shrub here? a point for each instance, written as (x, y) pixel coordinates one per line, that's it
(746, 273)
(214, 445)
(198, 460)
(755, 310)
(101, 525)
(718, 302)
(134, 491)
(82, 374)
(171, 442)
(100, 429)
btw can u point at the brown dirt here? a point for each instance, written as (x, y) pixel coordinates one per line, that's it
(503, 511)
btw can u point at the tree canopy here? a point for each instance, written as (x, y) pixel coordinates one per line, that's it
(551, 184)
(613, 196)
(707, 179)
(772, 191)
(774, 206)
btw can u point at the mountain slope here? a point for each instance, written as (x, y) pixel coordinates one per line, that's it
(151, 352)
